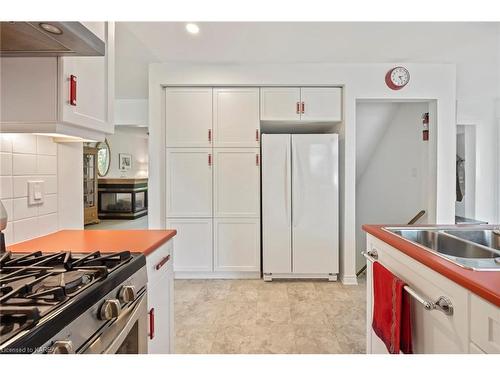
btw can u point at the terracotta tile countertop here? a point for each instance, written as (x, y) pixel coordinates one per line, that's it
(485, 284)
(106, 241)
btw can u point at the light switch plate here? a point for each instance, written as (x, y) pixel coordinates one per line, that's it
(35, 192)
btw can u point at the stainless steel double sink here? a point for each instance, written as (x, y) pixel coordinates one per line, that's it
(472, 247)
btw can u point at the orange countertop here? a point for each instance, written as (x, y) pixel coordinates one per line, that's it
(106, 241)
(485, 284)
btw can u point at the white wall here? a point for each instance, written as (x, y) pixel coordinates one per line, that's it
(393, 186)
(360, 81)
(26, 157)
(131, 112)
(133, 141)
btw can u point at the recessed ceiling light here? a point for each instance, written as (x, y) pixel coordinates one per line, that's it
(192, 28)
(51, 28)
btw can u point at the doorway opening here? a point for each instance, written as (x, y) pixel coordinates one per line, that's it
(395, 165)
(465, 202)
(120, 200)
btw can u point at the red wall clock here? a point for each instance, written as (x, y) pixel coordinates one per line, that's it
(397, 78)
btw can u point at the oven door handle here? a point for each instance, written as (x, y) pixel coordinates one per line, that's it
(132, 315)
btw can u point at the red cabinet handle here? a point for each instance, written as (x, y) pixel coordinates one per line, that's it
(162, 262)
(209, 159)
(151, 323)
(297, 108)
(303, 107)
(72, 90)
(210, 135)
(257, 159)
(257, 135)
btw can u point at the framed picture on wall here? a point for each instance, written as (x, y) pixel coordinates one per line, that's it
(125, 161)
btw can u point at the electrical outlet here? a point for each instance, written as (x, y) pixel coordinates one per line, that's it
(35, 192)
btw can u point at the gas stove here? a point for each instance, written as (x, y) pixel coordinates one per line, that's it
(71, 303)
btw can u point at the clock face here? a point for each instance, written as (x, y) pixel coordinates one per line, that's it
(397, 78)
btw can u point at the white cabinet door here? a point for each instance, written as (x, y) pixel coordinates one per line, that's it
(28, 89)
(276, 203)
(485, 324)
(189, 182)
(236, 182)
(237, 244)
(188, 117)
(160, 297)
(94, 77)
(193, 244)
(236, 117)
(280, 104)
(321, 104)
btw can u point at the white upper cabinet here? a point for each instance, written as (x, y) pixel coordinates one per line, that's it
(188, 116)
(189, 182)
(237, 245)
(236, 182)
(67, 95)
(93, 77)
(236, 117)
(280, 104)
(321, 104)
(308, 104)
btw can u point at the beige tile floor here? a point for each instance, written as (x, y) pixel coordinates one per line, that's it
(253, 316)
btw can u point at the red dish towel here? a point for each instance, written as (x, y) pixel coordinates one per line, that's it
(391, 311)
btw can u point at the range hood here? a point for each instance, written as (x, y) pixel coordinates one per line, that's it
(46, 38)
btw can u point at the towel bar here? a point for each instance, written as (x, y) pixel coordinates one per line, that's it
(442, 304)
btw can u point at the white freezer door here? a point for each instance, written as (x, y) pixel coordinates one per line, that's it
(315, 203)
(276, 203)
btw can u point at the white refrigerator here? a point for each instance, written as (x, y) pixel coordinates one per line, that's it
(300, 214)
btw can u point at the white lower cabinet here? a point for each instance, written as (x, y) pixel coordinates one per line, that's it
(193, 244)
(237, 244)
(485, 325)
(433, 331)
(160, 300)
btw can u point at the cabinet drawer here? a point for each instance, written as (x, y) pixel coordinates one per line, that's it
(485, 324)
(433, 331)
(159, 261)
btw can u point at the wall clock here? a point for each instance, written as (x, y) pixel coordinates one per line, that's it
(397, 78)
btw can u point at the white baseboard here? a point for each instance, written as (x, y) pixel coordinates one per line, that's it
(349, 279)
(183, 275)
(324, 276)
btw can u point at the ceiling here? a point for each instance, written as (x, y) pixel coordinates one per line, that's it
(139, 43)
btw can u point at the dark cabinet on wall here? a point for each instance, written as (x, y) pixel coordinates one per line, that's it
(123, 198)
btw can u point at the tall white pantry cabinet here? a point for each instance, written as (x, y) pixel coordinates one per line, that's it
(213, 179)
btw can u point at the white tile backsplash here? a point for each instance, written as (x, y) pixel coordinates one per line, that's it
(26, 229)
(6, 142)
(49, 205)
(31, 158)
(24, 164)
(24, 143)
(22, 210)
(5, 164)
(45, 146)
(5, 187)
(47, 223)
(50, 183)
(47, 164)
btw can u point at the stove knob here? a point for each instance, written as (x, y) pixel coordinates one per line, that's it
(127, 294)
(110, 309)
(62, 347)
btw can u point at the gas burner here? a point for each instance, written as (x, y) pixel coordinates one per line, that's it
(32, 285)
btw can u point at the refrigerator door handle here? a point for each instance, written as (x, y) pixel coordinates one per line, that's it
(287, 186)
(297, 205)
